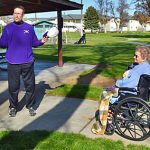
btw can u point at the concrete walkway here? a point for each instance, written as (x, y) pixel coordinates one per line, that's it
(53, 113)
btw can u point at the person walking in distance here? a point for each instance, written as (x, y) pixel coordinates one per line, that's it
(18, 38)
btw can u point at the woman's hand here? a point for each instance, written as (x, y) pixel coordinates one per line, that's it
(125, 74)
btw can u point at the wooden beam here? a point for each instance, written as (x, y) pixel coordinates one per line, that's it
(60, 23)
(72, 5)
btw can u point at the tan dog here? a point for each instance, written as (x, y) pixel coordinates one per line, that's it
(100, 126)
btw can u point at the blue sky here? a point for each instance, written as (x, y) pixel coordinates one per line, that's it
(86, 4)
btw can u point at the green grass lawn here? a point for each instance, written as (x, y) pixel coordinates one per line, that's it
(84, 91)
(111, 50)
(44, 140)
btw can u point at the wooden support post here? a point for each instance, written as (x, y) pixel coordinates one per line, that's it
(60, 26)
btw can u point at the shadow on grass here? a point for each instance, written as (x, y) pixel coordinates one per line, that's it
(28, 140)
(17, 140)
(134, 35)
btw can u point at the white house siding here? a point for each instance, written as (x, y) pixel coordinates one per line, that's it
(134, 25)
(124, 29)
(111, 25)
(72, 27)
(147, 28)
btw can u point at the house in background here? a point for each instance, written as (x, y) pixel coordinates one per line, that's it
(41, 27)
(134, 25)
(69, 27)
(147, 26)
(71, 22)
(124, 27)
(131, 25)
(112, 25)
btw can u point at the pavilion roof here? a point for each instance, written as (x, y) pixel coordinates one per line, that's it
(33, 6)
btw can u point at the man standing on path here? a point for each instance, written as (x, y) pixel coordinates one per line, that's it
(18, 38)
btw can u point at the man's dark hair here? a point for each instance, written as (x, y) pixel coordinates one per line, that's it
(21, 7)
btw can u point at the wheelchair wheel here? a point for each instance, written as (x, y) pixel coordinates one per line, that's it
(132, 119)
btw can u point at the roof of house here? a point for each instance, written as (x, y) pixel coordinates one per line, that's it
(69, 16)
(35, 19)
(41, 22)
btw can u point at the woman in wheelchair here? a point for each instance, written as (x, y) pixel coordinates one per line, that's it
(130, 79)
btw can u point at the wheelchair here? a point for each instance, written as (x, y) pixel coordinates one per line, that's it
(130, 115)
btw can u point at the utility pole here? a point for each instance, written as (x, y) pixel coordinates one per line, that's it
(81, 20)
(35, 17)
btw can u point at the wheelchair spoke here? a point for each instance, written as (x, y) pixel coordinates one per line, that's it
(125, 112)
(131, 130)
(135, 133)
(141, 127)
(144, 114)
(133, 109)
(144, 122)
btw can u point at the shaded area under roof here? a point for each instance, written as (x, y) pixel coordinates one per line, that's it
(32, 6)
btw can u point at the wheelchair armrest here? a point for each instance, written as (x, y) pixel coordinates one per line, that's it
(127, 89)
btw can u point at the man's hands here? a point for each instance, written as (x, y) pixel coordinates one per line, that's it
(44, 39)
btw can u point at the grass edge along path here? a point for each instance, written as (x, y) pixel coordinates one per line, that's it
(40, 140)
(84, 91)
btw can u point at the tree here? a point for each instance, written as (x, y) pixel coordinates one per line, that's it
(114, 14)
(142, 11)
(142, 18)
(143, 6)
(103, 8)
(116, 11)
(122, 10)
(91, 19)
